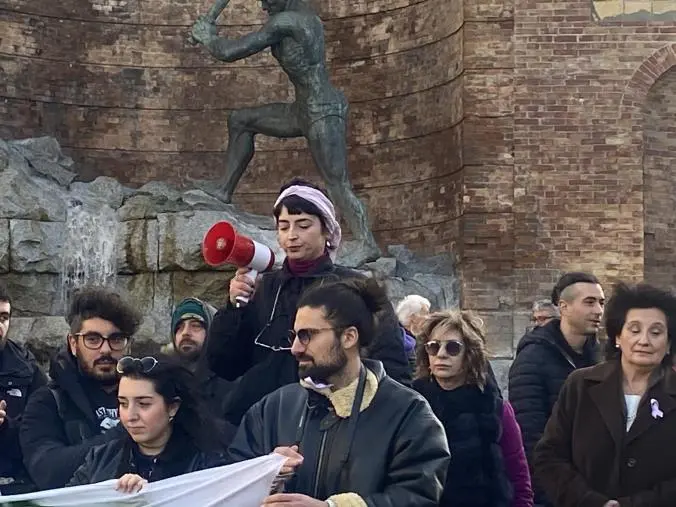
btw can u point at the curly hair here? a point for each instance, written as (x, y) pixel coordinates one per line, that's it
(627, 297)
(93, 302)
(473, 333)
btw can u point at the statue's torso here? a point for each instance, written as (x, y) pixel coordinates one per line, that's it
(301, 56)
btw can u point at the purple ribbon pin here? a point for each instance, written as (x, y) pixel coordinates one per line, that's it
(655, 409)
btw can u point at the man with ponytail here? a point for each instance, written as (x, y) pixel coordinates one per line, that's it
(247, 343)
(354, 437)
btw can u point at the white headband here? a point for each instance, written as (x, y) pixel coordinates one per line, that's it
(325, 207)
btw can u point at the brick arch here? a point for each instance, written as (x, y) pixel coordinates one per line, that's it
(659, 181)
(631, 127)
(644, 78)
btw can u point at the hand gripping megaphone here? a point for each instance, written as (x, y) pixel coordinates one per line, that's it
(222, 245)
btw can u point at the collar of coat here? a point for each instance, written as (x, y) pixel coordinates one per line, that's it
(604, 371)
(605, 391)
(343, 399)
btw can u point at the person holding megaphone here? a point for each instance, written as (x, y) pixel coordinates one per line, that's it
(248, 338)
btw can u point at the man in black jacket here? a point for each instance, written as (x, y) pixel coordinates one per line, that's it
(79, 408)
(353, 436)
(247, 341)
(548, 354)
(20, 377)
(190, 322)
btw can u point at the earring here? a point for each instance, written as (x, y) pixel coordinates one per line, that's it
(617, 345)
(171, 418)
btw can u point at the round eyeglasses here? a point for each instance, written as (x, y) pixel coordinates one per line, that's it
(452, 347)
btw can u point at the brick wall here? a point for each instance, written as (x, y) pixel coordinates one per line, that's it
(580, 89)
(487, 228)
(126, 96)
(553, 150)
(510, 132)
(659, 182)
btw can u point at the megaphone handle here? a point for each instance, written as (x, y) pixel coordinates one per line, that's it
(251, 275)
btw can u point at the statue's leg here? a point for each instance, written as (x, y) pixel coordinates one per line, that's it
(327, 142)
(275, 120)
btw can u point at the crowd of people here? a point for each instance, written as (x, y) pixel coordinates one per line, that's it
(370, 406)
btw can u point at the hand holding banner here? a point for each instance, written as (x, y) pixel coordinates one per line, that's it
(243, 484)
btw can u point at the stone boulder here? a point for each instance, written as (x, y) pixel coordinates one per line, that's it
(57, 233)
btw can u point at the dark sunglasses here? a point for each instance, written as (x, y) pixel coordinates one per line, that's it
(305, 335)
(94, 341)
(130, 364)
(452, 347)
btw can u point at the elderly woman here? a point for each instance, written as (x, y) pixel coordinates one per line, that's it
(610, 439)
(488, 465)
(411, 312)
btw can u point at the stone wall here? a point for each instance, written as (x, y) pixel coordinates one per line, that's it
(54, 230)
(126, 96)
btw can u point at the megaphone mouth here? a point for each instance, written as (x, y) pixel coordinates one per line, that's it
(222, 245)
(218, 243)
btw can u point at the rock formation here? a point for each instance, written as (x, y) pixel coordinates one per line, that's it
(56, 232)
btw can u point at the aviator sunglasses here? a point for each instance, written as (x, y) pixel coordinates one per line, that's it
(453, 347)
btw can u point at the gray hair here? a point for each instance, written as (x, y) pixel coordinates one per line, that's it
(547, 305)
(411, 305)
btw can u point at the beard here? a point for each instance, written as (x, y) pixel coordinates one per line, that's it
(321, 371)
(190, 354)
(106, 378)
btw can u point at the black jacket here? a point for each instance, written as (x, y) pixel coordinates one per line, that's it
(60, 426)
(542, 364)
(398, 451)
(215, 391)
(472, 419)
(116, 458)
(20, 377)
(268, 317)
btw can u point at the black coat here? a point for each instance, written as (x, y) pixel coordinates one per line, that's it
(20, 377)
(472, 418)
(398, 453)
(258, 371)
(60, 427)
(542, 364)
(116, 458)
(214, 390)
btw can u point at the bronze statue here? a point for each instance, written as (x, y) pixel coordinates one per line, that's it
(295, 35)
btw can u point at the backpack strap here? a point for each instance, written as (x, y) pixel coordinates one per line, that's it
(58, 399)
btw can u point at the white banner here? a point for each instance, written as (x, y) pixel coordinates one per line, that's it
(243, 484)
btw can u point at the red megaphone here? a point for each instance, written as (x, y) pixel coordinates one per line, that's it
(222, 245)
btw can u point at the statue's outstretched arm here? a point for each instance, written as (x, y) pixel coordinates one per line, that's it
(230, 50)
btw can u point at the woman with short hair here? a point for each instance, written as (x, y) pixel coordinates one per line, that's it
(248, 339)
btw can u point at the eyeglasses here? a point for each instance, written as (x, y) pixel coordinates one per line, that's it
(452, 347)
(305, 335)
(94, 341)
(273, 317)
(130, 364)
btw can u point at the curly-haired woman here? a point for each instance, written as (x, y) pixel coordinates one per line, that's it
(488, 465)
